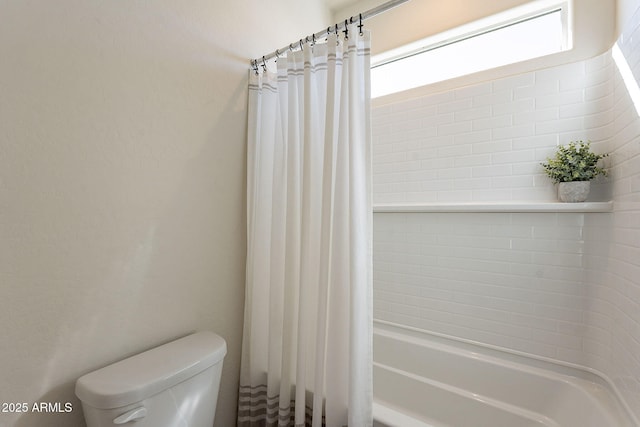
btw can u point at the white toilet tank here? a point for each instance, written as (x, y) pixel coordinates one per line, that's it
(174, 385)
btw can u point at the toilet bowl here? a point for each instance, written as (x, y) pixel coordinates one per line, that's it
(173, 385)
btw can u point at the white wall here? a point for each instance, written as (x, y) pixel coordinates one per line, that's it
(625, 10)
(122, 170)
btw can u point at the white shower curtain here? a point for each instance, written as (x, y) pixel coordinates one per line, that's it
(307, 352)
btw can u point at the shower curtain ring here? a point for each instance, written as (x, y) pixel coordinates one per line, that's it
(360, 25)
(346, 30)
(264, 64)
(301, 48)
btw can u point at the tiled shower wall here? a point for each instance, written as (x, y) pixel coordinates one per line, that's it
(485, 142)
(507, 279)
(612, 257)
(560, 285)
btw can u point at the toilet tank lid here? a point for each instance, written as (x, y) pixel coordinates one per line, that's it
(146, 374)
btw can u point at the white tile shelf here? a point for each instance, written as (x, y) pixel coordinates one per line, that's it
(494, 207)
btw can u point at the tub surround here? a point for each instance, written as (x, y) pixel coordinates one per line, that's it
(453, 262)
(513, 280)
(612, 256)
(485, 143)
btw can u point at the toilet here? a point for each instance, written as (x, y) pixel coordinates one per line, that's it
(173, 385)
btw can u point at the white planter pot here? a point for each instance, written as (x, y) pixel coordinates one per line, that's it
(573, 192)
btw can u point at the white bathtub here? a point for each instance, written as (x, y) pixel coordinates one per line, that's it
(427, 381)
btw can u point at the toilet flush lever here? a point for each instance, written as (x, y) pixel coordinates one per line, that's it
(132, 415)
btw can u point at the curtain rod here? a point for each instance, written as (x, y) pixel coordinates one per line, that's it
(335, 28)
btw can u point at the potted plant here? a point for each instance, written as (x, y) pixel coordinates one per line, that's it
(573, 168)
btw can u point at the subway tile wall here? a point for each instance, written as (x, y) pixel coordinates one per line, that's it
(485, 142)
(514, 280)
(559, 285)
(612, 242)
(509, 279)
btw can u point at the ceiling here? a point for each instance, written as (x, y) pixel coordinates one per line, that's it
(339, 4)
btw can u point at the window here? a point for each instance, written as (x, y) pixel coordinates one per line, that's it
(512, 37)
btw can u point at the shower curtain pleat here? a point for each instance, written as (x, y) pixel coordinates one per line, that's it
(307, 352)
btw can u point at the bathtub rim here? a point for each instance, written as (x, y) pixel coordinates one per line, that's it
(417, 336)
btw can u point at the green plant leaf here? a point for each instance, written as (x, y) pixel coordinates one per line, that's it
(574, 162)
